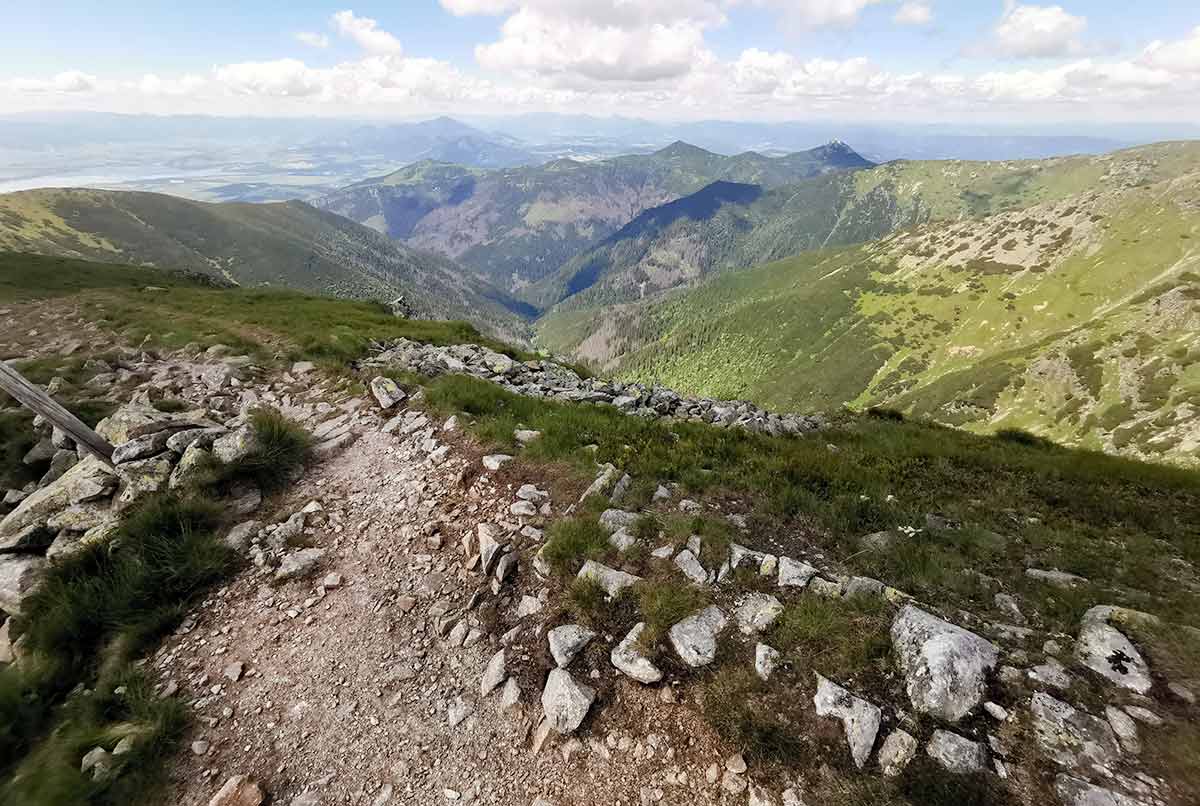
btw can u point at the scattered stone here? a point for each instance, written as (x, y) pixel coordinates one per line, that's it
(757, 613)
(695, 638)
(1077, 792)
(1182, 692)
(1070, 737)
(1059, 579)
(996, 711)
(1125, 729)
(496, 461)
(957, 754)
(568, 641)
(945, 666)
(1051, 673)
(387, 393)
(860, 719)
(825, 588)
(610, 579)
(687, 562)
(766, 659)
(628, 659)
(1144, 715)
(897, 751)
(140, 447)
(1105, 650)
(19, 577)
(239, 791)
(864, 587)
(236, 445)
(495, 673)
(566, 702)
(299, 564)
(525, 436)
(458, 711)
(613, 520)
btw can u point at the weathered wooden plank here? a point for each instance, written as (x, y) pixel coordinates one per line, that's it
(37, 401)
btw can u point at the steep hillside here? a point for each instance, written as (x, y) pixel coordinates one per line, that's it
(519, 225)
(1076, 318)
(291, 245)
(723, 228)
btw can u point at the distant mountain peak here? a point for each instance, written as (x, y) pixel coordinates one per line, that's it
(681, 149)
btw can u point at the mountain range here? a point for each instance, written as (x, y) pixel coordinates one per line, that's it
(287, 244)
(519, 225)
(1060, 296)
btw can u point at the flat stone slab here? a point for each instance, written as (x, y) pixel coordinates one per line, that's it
(757, 613)
(860, 719)
(957, 754)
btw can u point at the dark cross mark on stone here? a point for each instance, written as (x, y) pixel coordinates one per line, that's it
(1119, 661)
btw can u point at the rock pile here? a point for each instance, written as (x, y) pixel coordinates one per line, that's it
(548, 379)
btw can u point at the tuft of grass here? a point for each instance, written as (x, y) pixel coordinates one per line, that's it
(647, 527)
(924, 783)
(589, 604)
(837, 637)
(733, 704)
(281, 446)
(573, 541)
(99, 607)
(666, 602)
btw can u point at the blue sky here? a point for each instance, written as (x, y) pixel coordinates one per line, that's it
(920, 59)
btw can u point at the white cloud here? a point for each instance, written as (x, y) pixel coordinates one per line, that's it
(819, 13)
(69, 81)
(914, 13)
(649, 59)
(1027, 31)
(311, 39)
(366, 33)
(1182, 56)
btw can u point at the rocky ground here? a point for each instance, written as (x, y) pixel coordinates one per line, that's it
(396, 636)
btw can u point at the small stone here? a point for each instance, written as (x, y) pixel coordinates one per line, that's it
(568, 641)
(736, 764)
(860, 719)
(957, 754)
(757, 613)
(628, 659)
(238, 791)
(566, 702)
(496, 461)
(1125, 729)
(995, 711)
(765, 660)
(200, 747)
(897, 751)
(494, 674)
(234, 671)
(695, 638)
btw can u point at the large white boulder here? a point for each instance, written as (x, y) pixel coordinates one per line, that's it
(945, 667)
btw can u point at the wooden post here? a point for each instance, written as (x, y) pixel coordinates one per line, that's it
(37, 401)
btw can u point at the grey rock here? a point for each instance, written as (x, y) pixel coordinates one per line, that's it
(299, 564)
(565, 702)
(794, 573)
(491, 549)
(628, 659)
(1069, 737)
(1077, 792)
(610, 579)
(897, 751)
(90, 480)
(238, 538)
(19, 577)
(766, 658)
(1105, 650)
(179, 441)
(695, 638)
(494, 674)
(387, 393)
(758, 613)
(689, 564)
(191, 465)
(1125, 729)
(863, 586)
(616, 519)
(825, 588)
(945, 667)
(143, 477)
(860, 719)
(1051, 673)
(496, 461)
(1059, 579)
(622, 540)
(957, 754)
(236, 445)
(140, 447)
(568, 641)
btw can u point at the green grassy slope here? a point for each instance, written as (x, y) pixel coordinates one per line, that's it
(1078, 319)
(687, 239)
(521, 224)
(291, 245)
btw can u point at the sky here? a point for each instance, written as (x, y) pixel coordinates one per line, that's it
(1090, 61)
